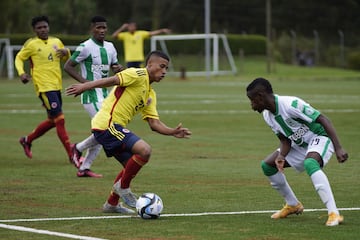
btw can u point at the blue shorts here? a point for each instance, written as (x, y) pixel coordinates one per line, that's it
(117, 142)
(52, 101)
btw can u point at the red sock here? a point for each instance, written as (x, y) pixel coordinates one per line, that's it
(114, 198)
(62, 134)
(42, 128)
(132, 167)
(119, 176)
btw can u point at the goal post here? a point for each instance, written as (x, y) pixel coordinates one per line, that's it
(214, 38)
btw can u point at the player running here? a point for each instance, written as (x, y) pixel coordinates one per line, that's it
(45, 54)
(96, 58)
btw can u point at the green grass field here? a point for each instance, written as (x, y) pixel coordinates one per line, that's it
(211, 185)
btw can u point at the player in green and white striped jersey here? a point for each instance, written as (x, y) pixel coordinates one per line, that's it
(96, 57)
(307, 141)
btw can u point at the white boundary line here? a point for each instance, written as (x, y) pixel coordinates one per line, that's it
(46, 232)
(165, 215)
(72, 236)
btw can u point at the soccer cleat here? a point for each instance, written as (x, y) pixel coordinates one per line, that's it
(287, 210)
(126, 195)
(108, 208)
(75, 156)
(334, 219)
(26, 146)
(88, 173)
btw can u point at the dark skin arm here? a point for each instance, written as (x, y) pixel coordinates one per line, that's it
(69, 67)
(341, 154)
(285, 146)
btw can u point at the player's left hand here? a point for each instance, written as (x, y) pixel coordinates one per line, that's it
(181, 132)
(341, 155)
(62, 52)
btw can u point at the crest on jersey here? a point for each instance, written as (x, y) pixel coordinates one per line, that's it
(148, 102)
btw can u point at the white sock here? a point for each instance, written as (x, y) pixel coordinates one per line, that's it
(86, 143)
(90, 156)
(278, 181)
(322, 187)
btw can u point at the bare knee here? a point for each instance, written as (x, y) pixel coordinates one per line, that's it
(143, 149)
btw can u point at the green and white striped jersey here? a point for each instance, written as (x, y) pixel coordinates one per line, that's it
(295, 119)
(95, 60)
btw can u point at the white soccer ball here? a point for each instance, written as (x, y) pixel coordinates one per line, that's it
(149, 206)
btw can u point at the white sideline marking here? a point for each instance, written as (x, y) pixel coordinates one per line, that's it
(165, 215)
(46, 232)
(66, 235)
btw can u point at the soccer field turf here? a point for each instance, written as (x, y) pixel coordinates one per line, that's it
(212, 185)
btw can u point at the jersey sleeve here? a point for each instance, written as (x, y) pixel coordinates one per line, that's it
(150, 110)
(24, 53)
(80, 54)
(144, 34)
(131, 76)
(304, 111)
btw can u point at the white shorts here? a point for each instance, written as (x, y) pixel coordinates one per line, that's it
(92, 108)
(319, 144)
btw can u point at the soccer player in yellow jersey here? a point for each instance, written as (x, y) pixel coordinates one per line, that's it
(133, 41)
(132, 94)
(44, 53)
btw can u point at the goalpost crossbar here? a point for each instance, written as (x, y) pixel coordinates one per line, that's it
(215, 52)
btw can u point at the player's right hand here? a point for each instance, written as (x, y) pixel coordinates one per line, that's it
(74, 89)
(280, 162)
(25, 78)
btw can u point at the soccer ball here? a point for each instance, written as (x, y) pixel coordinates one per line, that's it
(149, 206)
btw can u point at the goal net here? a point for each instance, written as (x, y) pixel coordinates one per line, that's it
(204, 57)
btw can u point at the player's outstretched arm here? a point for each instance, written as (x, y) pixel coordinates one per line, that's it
(159, 31)
(119, 30)
(160, 127)
(77, 89)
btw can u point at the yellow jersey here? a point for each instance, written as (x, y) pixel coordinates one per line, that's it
(134, 45)
(133, 95)
(45, 65)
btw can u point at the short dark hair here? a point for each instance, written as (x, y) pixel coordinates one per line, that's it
(265, 84)
(97, 19)
(37, 19)
(157, 53)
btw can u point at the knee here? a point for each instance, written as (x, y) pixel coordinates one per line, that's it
(144, 151)
(311, 166)
(267, 169)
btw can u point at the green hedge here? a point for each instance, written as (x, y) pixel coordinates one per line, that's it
(354, 60)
